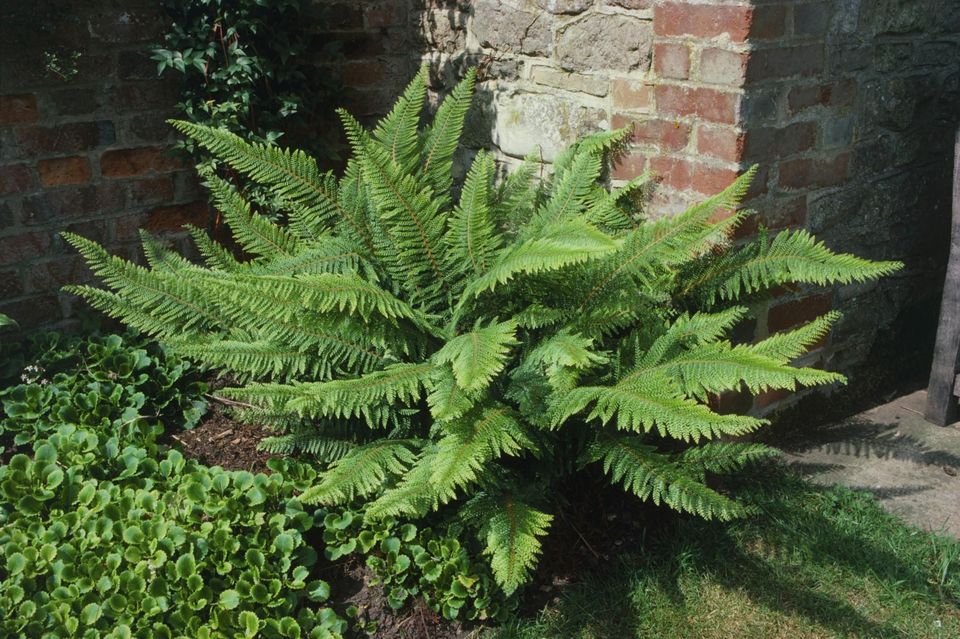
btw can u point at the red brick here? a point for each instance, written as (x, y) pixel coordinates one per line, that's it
(16, 178)
(18, 109)
(730, 402)
(50, 276)
(785, 62)
(722, 142)
(630, 166)
(33, 311)
(719, 66)
(61, 171)
(130, 162)
(702, 20)
(770, 397)
(150, 191)
(838, 94)
(769, 22)
(798, 312)
(672, 61)
(10, 285)
(361, 73)
(628, 94)
(708, 104)
(385, 14)
(668, 135)
(56, 205)
(687, 175)
(174, 218)
(66, 138)
(24, 246)
(819, 172)
(768, 142)
(783, 212)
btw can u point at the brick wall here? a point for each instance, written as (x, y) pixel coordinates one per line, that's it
(86, 154)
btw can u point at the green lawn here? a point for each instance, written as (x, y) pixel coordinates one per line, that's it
(814, 562)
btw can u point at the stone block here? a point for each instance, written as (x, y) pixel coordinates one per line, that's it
(838, 132)
(570, 7)
(578, 83)
(525, 121)
(508, 30)
(605, 42)
(64, 171)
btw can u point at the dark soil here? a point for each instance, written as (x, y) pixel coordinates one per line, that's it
(218, 440)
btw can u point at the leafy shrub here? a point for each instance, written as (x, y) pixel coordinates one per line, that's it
(106, 541)
(244, 65)
(103, 384)
(410, 561)
(467, 353)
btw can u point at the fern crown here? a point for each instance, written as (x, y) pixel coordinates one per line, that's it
(460, 352)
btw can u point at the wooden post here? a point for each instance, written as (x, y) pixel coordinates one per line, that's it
(942, 407)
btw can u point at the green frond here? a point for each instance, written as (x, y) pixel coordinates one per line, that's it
(413, 496)
(214, 254)
(794, 256)
(512, 531)
(362, 471)
(322, 448)
(518, 194)
(653, 401)
(447, 400)
(254, 359)
(724, 457)
(560, 245)
(649, 474)
(477, 356)
(472, 238)
(568, 200)
(692, 330)
(789, 345)
(472, 442)
(443, 135)
(255, 233)
(397, 132)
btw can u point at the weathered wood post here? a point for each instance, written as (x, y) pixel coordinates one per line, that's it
(942, 407)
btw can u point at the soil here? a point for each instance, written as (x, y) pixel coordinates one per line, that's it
(218, 440)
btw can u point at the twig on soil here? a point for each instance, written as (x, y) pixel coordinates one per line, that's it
(423, 622)
(221, 435)
(582, 538)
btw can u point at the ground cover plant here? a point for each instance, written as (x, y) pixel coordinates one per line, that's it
(463, 354)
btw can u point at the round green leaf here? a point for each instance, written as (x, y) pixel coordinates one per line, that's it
(229, 599)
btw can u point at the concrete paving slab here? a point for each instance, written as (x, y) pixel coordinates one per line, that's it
(912, 466)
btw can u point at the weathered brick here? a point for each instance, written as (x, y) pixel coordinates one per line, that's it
(798, 312)
(121, 163)
(629, 94)
(708, 104)
(150, 191)
(364, 73)
(72, 202)
(630, 166)
(384, 14)
(730, 402)
(771, 142)
(769, 398)
(23, 246)
(668, 135)
(812, 19)
(783, 212)
(814, 172)
(53, 274)
(62, 171)
(671, 61)
(16, 178)
(77, 101)
(721, 142)
(702, 20)
(785, 62)
(769, 22)
(685, 175)
(11, 285)
(33, 311)
(174, 218)
(719, 66)
(18, 109)
(65, 138)
(136, 65)
(147, 95)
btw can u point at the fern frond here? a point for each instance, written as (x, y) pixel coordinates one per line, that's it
(471, 238)
(511, 529)
(724, 457)
(397, 132)
(255, 233)
(443, 135)
(789, 345)
(649, 474)
(362, 471)
(477, 356)
(321, 447)
(214, 254)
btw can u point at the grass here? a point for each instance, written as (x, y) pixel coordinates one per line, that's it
(814, 562)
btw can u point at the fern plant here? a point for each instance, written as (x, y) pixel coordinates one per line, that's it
(462, 353)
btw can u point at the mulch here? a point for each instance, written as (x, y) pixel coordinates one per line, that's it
(219, 440)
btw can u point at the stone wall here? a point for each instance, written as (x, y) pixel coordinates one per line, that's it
(85, 153)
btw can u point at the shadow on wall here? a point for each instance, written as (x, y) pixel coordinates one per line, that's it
(850, 108)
